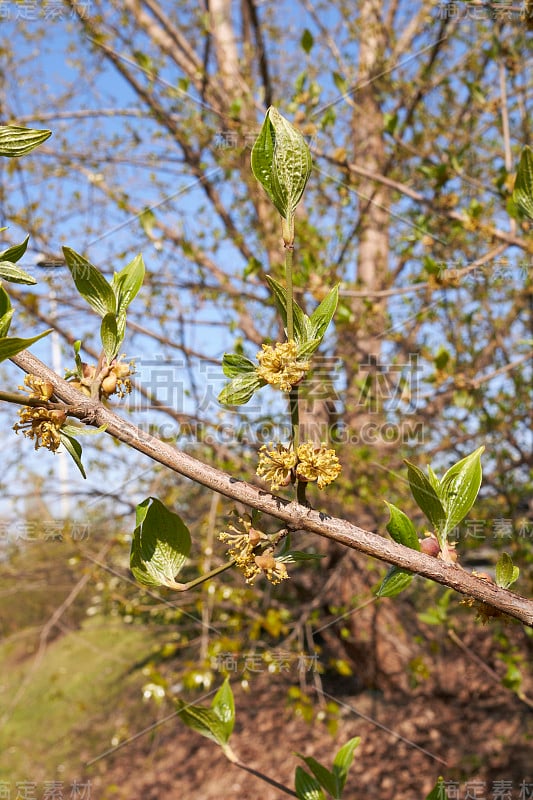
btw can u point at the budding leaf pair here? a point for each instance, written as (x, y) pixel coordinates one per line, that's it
(281, 162)
(309, 787)
(445, 502)
(215, 723)
(109, 300)
(10, 346)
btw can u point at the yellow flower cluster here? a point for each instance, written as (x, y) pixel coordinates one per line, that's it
(309, 463)
(279, 365)
(37, 388)
(42, 425)
(244, 541)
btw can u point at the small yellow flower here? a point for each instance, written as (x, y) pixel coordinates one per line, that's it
(242, 539)
(275, 571)
(276, 465)
(317, 463)
(42, 425)
(279, 365)
(37, 388)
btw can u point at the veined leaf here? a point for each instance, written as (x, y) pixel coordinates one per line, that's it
(323, 314)
(401, 528)
(302, 325)
(523, 187)
(239, 390)
(223, 706)
(307, 787)
(234, 364)
(73, 448)
(128, 281)
(215, 723)
(15, 252)
(506, 572)
(13, 274)
(16, 141)
(109, 336)
(160, 546)
(459, 488)
(394, 582)
(343, 761)
(90, 283)
(6, 312)
(281, 162)
(11, 345)
(426, 497)
(324, 777)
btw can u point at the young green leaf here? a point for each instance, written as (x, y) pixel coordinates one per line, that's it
(307, 41)
(90, 283)
(16, 141)
(9, 272)
(343, 761)
(459, 488)
(292, 556)
(160, 546)
(323, 314)
(281, 162)
(302, 326)
(438, 792)
(109, 335)
(325, 778)
(307, 787)
(425, 496)
(6, 312)
(127, 282)
(11, 345)
(394, 582)
(215, 723)
(239, 390)
(506, 572)
(401, 528)
(223, 706)
(523, 187)
(234, 364)
(73, 448)
(15, 252)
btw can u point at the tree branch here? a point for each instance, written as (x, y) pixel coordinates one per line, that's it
(295, 516)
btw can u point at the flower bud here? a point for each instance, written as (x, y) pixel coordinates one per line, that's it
(109, 384)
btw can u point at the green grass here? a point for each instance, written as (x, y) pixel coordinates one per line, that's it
(64, 709)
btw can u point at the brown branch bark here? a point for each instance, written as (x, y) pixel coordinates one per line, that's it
(296, 516)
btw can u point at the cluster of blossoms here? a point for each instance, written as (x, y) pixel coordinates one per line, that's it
(39, 423)
(310, 462)
(279, 365)
(252, 551)
(116, 379)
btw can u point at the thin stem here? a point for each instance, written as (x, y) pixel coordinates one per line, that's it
(266, 779)
(183, 587)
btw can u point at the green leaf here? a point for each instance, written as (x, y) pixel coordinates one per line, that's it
(6, 312)
(82, 430)
(324, 777)
(9, 272)
(506, 572)
(307, 787)
(128, 281)
(425, 496)
(160, 546)
(90, 283)
(302, 324)
(15, 141)
(239, 390)
(203, 720)
(433, 479)
(292, 556)
(109, 335)
(281, 162)
(459, 488)
(523, 187)
(73, 448)
(223, 706)
(401, 528)
(438, 792)
(307, 41)
(15, 252)
(343, 761)
(234, 364)
(394, 582)
(323, 314)
(11, 345)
